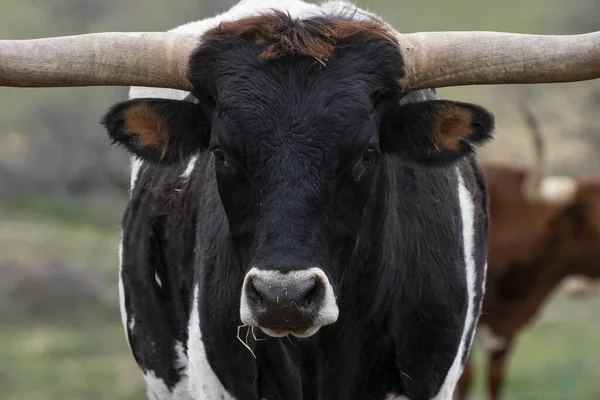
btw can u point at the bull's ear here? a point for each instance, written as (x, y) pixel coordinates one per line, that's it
(158, 130)
(436, 131)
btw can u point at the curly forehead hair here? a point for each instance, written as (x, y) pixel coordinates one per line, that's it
(278, 34)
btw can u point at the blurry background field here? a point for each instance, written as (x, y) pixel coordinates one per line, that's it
(63, 189)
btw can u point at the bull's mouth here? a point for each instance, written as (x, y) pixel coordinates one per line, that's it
(299, 332)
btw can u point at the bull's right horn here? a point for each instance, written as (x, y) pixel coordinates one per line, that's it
(100, 59)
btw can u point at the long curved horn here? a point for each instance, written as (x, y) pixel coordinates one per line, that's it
(537, 187)
(440, 59)
(152, 59)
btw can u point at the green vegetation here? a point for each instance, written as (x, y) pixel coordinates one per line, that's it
(56, 362)
(558, 357)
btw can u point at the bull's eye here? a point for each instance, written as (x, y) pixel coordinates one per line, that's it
(223, 163)
(218, 153)
(369, 155)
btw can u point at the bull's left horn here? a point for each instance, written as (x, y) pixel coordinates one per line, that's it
(440, 59)
(151, 59)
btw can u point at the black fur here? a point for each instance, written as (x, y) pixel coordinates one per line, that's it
(312, 165)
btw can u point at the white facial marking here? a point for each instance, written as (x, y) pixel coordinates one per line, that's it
(491, 341)
(203, 382)
(190, 167)
(395, 397)
(328, 313)
(468, 219)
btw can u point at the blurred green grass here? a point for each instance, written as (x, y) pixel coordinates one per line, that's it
(66, 343)
(54, 362)
(557, 358)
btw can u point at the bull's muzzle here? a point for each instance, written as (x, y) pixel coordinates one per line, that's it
(295, 302)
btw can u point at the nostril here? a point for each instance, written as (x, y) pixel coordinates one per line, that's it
(311, 296)
(313, 293)
(253, 293)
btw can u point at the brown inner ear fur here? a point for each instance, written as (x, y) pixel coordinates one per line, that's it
(452, 123)
(280, 35)
(149, 128)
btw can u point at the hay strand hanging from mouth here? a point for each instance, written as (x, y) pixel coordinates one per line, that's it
(245, 343)
(254, 335)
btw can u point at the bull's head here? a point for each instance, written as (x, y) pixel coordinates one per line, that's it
(300, 117)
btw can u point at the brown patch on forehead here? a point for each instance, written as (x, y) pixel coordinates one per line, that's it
(451, 125)
(149, 128)
(280, 35)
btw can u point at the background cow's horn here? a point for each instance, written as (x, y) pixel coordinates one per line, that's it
(440, 59)
(537, 187)
(533, 180)
(100, 59)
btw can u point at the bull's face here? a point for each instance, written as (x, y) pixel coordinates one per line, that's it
(299, 139)
(296, 154)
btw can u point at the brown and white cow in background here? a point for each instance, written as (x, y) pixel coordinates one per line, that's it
(543, 230)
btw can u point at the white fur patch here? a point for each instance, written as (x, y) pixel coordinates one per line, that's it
(156, 387)
(181, 389)
(122, 292)
(558, 189)
(182, 359)
(136, 165)
(157, 279)
(203, 382)
(468, 219)
(346, 8)
(327, 315)
(158, 390)
(395, 397)
(190, 167)
(489, 339)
